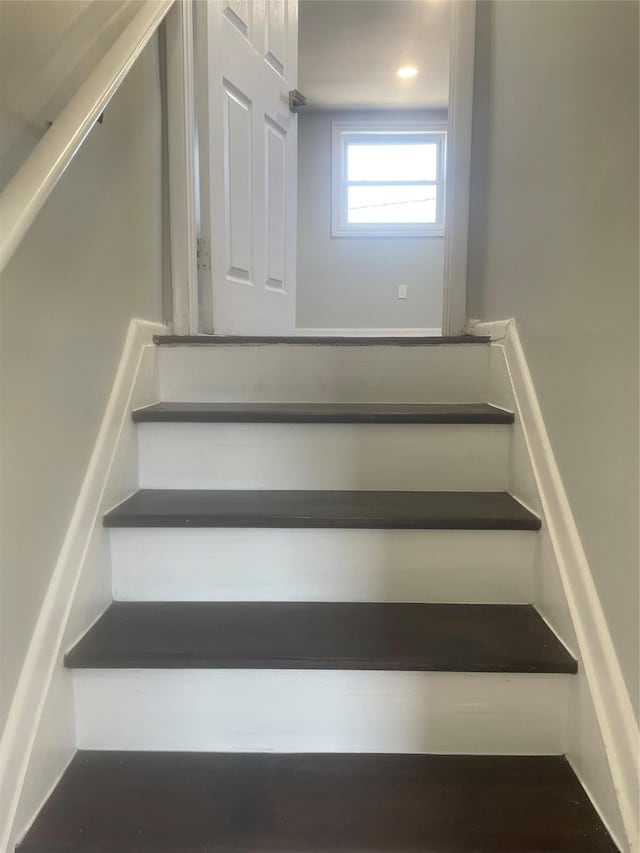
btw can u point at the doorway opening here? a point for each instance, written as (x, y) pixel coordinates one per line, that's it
(372, 147)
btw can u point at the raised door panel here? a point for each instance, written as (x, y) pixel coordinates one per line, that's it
(239, 13)
(238, 180)
(276, 28)
(276, 199)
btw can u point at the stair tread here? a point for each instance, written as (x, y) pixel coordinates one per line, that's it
(338, 803)
(333, 509)
(367, 413)
(318, 635)
(323, 340)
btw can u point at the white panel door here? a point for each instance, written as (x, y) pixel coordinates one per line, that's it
(247, 63)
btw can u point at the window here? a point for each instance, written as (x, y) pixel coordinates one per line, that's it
(388, 179)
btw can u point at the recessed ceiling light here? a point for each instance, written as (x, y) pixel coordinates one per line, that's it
(407, 71)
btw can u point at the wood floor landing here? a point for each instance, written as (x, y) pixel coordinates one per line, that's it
(294, 635)
(129, 802)
(324, 413)
(332, 509)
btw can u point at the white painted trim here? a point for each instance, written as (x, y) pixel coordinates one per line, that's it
(32, 184)
(496, 330)
(31, 755)
(304, 372)
(458, 176)
(392, 457)
(611, 701)
(182, 181)
(473, 566)
(267, 710)
(203, 83)
(370, 333)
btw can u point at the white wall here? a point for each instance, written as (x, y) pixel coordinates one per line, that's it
(352, 282)
(90, 263)
(554, 243)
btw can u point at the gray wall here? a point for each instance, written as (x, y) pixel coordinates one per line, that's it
(47, 49)
(91, 262)
(352, 282)
(554, 243)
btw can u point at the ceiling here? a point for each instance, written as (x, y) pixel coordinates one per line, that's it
(350, 51)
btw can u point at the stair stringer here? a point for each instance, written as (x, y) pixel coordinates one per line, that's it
(602, 732)
(39, 739)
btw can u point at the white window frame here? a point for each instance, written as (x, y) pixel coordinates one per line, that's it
(344, 133)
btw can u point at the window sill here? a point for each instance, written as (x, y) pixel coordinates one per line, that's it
(386, 232)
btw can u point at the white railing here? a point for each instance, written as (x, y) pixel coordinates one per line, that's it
(27, 191)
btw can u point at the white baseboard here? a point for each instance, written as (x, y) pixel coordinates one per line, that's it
(39, 737)
(371, 333)
(601, 700)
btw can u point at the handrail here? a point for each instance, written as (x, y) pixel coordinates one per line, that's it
(30, 187)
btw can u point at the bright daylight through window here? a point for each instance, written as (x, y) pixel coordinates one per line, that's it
(388, 183)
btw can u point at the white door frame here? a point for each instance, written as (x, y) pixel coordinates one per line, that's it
(461, 67)
(182, 180)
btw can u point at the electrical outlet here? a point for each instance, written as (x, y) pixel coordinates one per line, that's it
(402, 291)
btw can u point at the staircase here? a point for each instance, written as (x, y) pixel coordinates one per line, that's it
(321, 637)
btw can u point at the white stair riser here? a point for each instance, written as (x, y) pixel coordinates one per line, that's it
(281, 373)
(484, 566)
(323, 711)
(329, 456)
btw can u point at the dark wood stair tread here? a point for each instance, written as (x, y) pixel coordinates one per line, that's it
(128, 802)
(324, 413)
(301, 635)
(323, 340)
(333, 509)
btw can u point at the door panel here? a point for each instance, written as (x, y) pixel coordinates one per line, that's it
(238, 13)
(276, 35)
(238, 181)
(276, 189)
(246, 64)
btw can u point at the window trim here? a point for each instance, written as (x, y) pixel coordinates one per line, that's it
(343, 133)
